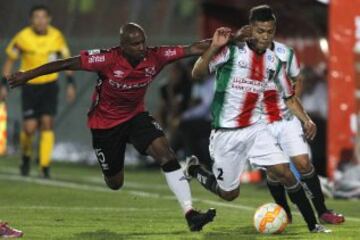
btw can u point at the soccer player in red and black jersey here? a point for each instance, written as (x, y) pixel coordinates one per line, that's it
(118, 116)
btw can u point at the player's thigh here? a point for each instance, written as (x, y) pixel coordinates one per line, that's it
(49, 99)
(109, 146)
(292, 139)
(148, 137)
(228, 149)
(266, 151)
(160, 150)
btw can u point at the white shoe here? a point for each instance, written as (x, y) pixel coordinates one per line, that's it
(190, 161)
(320, 229)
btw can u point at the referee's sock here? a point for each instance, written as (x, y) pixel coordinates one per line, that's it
(26, 142)
(298, 197)
(47, 140)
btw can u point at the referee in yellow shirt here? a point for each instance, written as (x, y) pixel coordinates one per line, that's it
(36, 45)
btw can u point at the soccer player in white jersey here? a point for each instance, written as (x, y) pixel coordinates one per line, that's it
(243, 72)
(288, 132)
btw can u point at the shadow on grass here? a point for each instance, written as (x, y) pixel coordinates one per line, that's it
(246, 232)
(249, 232)
(107, 235)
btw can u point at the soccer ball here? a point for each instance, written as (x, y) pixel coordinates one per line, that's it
(270, 218)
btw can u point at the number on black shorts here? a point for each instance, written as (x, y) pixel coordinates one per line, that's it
(101, 158)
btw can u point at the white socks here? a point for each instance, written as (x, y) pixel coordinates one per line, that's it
(180, 187)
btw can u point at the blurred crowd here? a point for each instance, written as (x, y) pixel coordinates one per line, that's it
(184, 111)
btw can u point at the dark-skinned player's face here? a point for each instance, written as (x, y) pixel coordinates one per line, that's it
(134, 45)
(263, 34)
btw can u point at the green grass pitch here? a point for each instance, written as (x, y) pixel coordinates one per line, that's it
(75, 204)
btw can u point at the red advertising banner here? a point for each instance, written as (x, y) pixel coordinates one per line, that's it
(342, 124)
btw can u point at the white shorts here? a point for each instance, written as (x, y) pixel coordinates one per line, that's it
(230, 150)
(290, 135)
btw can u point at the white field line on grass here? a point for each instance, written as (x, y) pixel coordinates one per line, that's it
(94, 209)
(85, 187)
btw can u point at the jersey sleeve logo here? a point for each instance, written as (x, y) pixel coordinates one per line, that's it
(94, 52)
(280, 50)
(118, 74)
(170, 52)
(97, 59)
(150, 71)
(271, 58)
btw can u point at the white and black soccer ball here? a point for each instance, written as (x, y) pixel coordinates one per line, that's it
(270, 218)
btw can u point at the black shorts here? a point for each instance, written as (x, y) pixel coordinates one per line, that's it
(39, 99)
(109, 144)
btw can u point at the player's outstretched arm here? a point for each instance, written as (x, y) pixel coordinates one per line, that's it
(20, 78)
(197, 48)
(220, 38)
(295, 106)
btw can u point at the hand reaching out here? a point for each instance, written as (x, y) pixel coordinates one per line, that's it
(17, 79)
(310, 129)
(221, 37)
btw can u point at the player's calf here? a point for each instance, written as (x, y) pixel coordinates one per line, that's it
(207, 179)
(277, 191)
(282, 173)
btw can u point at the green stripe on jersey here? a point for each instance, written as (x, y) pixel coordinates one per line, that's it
(291, 56)
(276, 78)
(222, 79)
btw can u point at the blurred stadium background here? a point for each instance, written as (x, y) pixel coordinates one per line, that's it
(324, 33)
(310, 26)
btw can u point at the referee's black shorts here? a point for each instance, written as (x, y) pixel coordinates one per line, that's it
(39, 99)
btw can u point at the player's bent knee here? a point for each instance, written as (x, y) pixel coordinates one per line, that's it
(302, 163)
(115, 182)
(287, 178)
(29, 131)
(304, 167)
(230, 195)
(114, 185)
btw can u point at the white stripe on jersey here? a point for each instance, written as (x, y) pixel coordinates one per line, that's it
(275, 107)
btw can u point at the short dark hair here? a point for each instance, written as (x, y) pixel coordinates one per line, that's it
(262, 13)
(39, 7)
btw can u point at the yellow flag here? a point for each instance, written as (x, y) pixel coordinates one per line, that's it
(3, 128)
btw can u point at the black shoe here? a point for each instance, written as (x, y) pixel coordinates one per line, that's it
(197, 220)
(289, 217)
(25, 166)
(45, 172)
